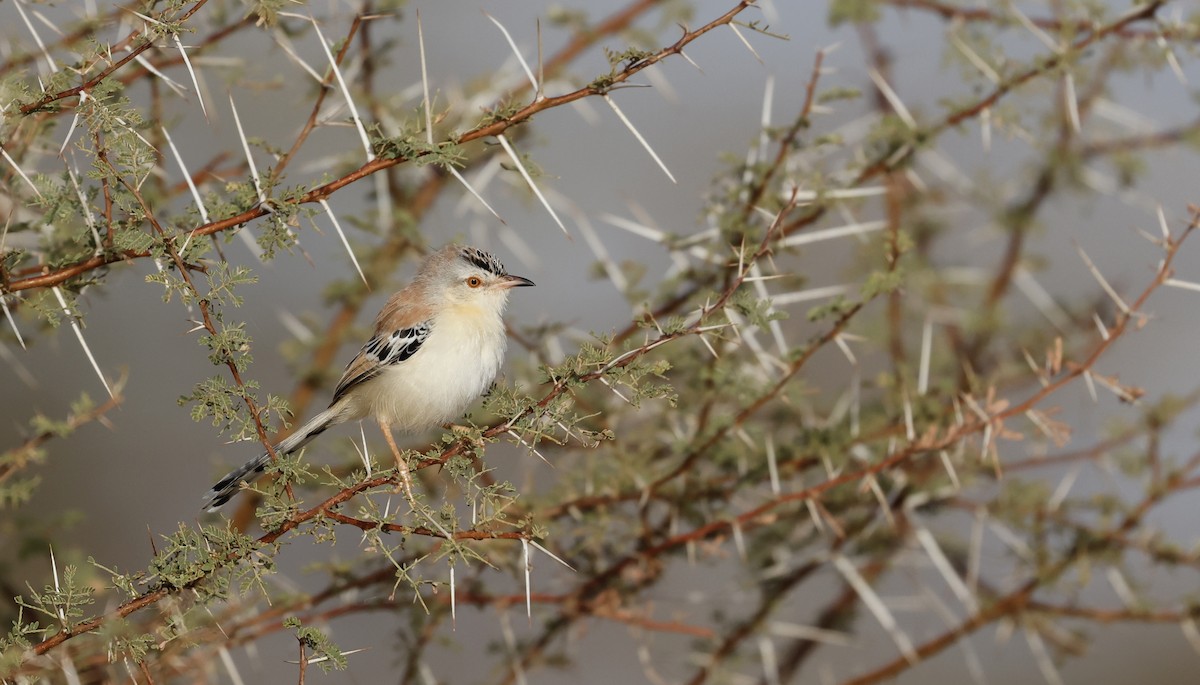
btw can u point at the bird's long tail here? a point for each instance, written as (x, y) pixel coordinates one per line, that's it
(249, 472)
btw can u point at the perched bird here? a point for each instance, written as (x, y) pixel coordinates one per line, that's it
(438, 345)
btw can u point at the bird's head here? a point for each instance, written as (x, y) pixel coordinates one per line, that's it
(470, 276)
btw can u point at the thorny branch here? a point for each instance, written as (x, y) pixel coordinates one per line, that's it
(603, 591)
(322, 192)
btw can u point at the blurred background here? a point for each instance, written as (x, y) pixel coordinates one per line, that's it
(109, 489)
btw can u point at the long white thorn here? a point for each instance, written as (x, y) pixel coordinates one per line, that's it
(62, 615)
(690, 61)
(745, 42)
(428, 107)
(1071, 102)
(611, 269)
(1162, 224)
(337, 74)
(474, 193)
(770, 663)
(20, 173)
(12, 322)
(1103, 282)
(833, 233)
(284, 42)
(944, 567)
(809, 295)
(1191, 633)
(62, 302)
(262, 197)
(926, 354)
(230, 666)
(647, 232)
(528, 563)
(453, 603)
(74, 123)
(772, 465)
(1033, 28)
(529, 180)
(345, 243)
(795, 631)
(893, 99)
(1041, 298)
(170, 82)
(629, 125)
(191, 72)
(1042, 657)
(512, 44)
(974, 58)
(88, 218)
(1185, 285)
(246, 148)
(187, 178)
(36, 38)
(425, 83)
(876, 606)
(552, 556)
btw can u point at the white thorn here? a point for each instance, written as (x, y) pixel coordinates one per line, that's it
(455, 174)
(453, 603)
(745, 42)
(926, 353)
(187, 177)
(20, 173)
(12, 322)
(772, 466)
(1072, 103)
(636, 134)
(1103, 282)
(74, 123)
(893, 99)
(337, 73)
(511, 43)
(425, 83)
(36, 38)
(552, 556)
(528, 568)
(876, 606)
(528, 180)
(1185, 285)
(191, 70)
(345, 243)
(833, 233)
(944, 567)
(62, 302)
(262, 198)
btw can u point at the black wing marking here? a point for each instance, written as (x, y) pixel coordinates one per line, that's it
(380, 352)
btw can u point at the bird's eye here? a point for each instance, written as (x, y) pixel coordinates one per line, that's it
(474, 281)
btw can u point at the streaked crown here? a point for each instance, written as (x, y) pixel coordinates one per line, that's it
(483, 260)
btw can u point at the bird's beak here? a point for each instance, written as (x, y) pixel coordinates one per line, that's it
(510, 281)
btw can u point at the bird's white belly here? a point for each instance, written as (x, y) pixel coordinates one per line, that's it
(454, 366)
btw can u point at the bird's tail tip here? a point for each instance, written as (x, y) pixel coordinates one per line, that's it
(227, 487)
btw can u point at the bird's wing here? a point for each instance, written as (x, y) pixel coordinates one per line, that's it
(380, 352)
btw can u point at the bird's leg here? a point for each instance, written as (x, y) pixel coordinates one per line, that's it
(401, 464)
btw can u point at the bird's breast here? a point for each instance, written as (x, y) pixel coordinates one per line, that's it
(453, 367)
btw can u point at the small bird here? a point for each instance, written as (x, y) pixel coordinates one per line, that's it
(437, 346)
